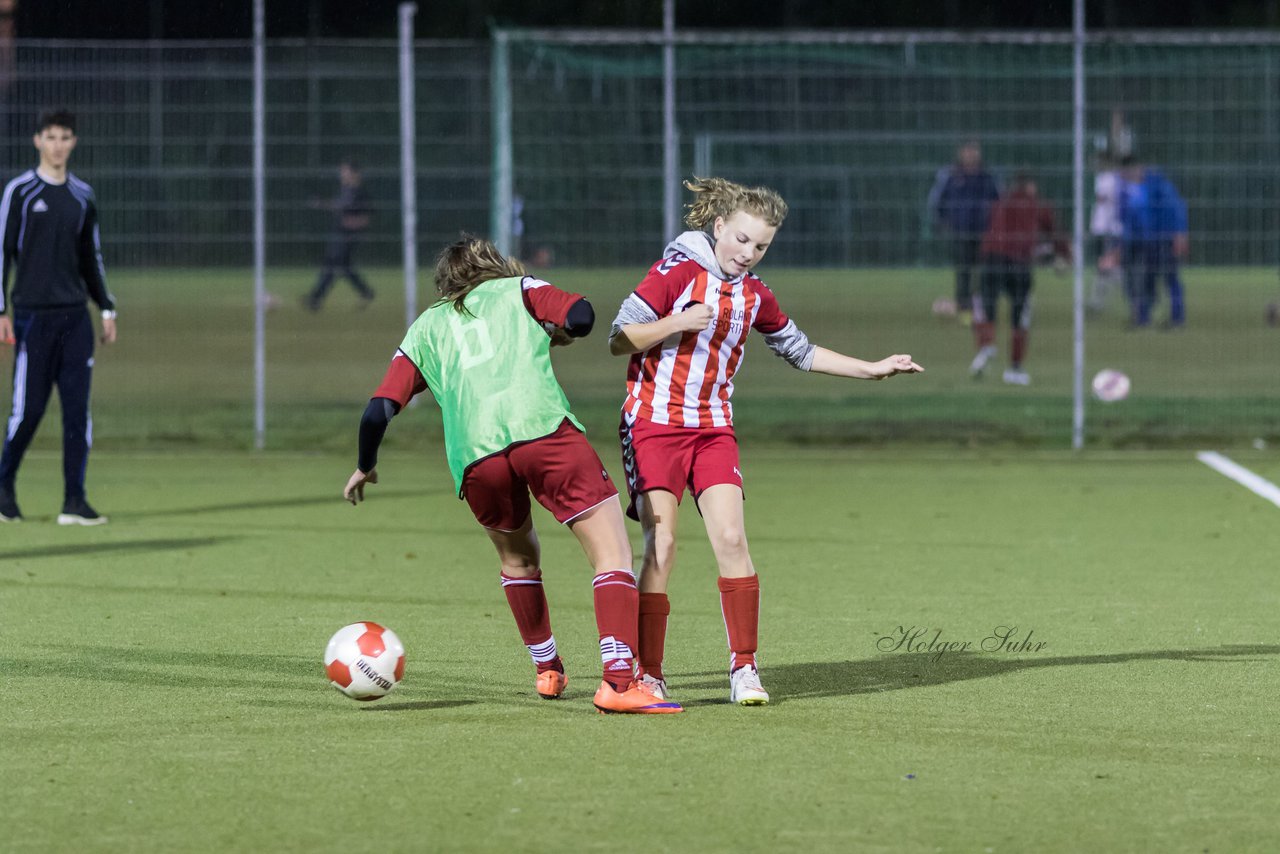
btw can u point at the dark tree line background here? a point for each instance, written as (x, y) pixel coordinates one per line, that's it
(232, 19)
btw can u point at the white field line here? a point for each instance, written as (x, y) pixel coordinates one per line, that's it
(1254, 483)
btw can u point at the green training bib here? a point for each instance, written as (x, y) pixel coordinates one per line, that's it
(490, 370)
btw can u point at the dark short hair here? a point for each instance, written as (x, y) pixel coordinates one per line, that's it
(350, 164)
(56, 117)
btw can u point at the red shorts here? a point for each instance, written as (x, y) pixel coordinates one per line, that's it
(562, 470)
(662, 456)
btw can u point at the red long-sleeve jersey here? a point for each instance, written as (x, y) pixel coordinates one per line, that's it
(1020, 222)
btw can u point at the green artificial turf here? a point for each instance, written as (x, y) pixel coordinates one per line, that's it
(162, 685)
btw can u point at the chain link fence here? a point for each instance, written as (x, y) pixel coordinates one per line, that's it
(851, 128)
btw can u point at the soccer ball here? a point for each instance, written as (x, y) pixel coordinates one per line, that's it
(1110, 386)
(364, 661)
(944, 307)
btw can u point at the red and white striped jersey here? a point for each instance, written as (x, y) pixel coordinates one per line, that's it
(687, 380)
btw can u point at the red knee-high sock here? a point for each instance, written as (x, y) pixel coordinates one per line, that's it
(984, 333)
(616, 601)
(529, 606)
(654, 610)
(1019, 348)
(740, 604)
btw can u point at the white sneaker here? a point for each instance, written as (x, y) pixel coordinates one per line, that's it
(1016, 376)
(979, 363)
(745, 688)
(76, 511)
(659, 686)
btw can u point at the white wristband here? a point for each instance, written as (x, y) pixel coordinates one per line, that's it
(108, 314)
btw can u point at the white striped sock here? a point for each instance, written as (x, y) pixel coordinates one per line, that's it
(507, 581)
(612, 649)
(543, 652)
(623, 577)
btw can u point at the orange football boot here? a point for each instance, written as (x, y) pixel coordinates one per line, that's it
(638, 699)
(551, 684)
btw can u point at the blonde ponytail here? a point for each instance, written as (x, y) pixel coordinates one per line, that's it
(718, 197)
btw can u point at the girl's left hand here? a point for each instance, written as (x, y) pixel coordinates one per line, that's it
(894, 365)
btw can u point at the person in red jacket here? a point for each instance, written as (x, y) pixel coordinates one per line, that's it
(1020, 224)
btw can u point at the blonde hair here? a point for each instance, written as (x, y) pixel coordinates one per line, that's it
(718, 197)
(468, 262)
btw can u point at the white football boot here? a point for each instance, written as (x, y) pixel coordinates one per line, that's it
(745, 688)
(1017, 376)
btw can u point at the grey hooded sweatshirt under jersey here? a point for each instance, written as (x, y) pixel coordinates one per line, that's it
(788, 342)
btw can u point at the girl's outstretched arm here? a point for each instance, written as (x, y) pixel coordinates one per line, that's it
(839, 365)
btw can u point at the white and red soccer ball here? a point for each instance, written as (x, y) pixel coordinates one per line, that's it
(1110, 385)
(364, 661)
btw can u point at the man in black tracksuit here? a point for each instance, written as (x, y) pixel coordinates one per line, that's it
(49, 222)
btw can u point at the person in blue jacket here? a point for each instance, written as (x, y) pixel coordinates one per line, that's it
(960, 206)
(1154, 221)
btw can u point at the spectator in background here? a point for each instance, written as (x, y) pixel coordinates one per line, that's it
(351, 219)
(960, 205)
(1154, 220)
(1106, 231)
(1020, 222)
(517, 227)
(522, 247)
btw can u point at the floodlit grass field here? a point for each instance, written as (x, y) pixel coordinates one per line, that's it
(162, 676)
(182, 373)
(163, 689)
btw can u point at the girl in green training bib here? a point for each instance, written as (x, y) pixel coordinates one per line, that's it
(484, 352)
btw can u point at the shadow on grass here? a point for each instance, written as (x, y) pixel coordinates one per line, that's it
(269, 504)
(352, 599)
(416, 705)
(151, 666)
(272, 678)
(71, 550)
(920, 670)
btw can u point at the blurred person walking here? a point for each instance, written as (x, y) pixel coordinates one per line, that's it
(960, 206)
(351, 219)
(49, 219)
